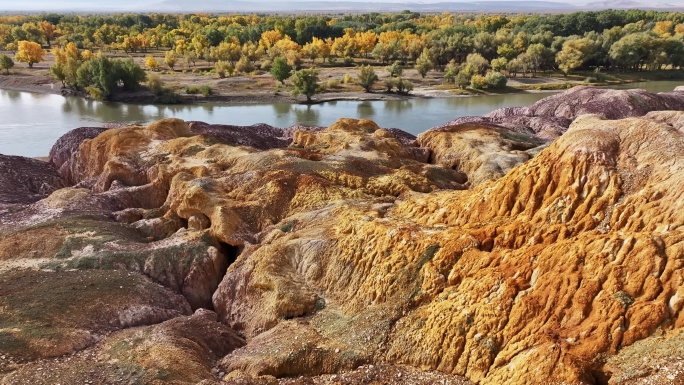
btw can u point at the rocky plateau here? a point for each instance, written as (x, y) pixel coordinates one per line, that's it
(534, 245)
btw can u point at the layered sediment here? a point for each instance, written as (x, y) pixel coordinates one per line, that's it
(187, 253)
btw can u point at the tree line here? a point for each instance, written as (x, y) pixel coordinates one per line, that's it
(464, 47)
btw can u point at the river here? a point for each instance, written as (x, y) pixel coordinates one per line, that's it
(31, 122)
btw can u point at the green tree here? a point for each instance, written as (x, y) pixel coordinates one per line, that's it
(537, 54)
(499, 64)
(513, 66)
(425, 62)
(129, 73)
(574, 54)
(476, 64)
(450, 71)
(367, 77)
(395, 70)
(305, 83)
(97, 73)
(281, 70)
(6, 63)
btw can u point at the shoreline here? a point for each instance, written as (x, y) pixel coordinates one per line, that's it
(42, 84)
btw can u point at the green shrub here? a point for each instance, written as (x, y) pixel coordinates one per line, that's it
(390, 84)
(403, 86)
(206, 90)
(169, 97)
(195, 90)
(192, 90)
(496, 80)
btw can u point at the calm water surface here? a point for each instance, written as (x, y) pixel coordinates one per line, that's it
(30, 123)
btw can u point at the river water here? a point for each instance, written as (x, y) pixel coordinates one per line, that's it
(30, 123)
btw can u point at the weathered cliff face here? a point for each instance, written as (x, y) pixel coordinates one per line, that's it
(344, 252)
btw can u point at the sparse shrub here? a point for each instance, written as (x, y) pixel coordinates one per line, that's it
(367, 77)
(206, 90)
(347, 79)
(591, 79)
(332, 84)
(403, 86)
(266, 65)
(389, 84)
(395, 69)
(222, 68)
(155, 84)
(244, 65)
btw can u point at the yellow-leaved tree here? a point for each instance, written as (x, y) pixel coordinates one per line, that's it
(29, 52)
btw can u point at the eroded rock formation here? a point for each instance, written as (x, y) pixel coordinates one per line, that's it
(551, 117)
(349, 254)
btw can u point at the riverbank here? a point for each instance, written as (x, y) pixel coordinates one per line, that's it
(337, 85)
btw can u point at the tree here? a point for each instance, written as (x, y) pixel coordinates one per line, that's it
(281, 70)
(499, 64)
(476, 64)
(450, 71)
(151, 63)
(100, 76)
(170, 59)
(425, 62)
(129, 73)
(537, 54)
(305, 82)
(367, 77)
(513, 67)
(6, 63)
(574, 54)
(48, 30)
(29, 52)
(97, 73)
(395, 70)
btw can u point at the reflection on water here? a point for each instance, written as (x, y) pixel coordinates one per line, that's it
(11, 95)
(32, 122)
(365, 110)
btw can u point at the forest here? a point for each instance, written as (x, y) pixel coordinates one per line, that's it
(470, 50)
